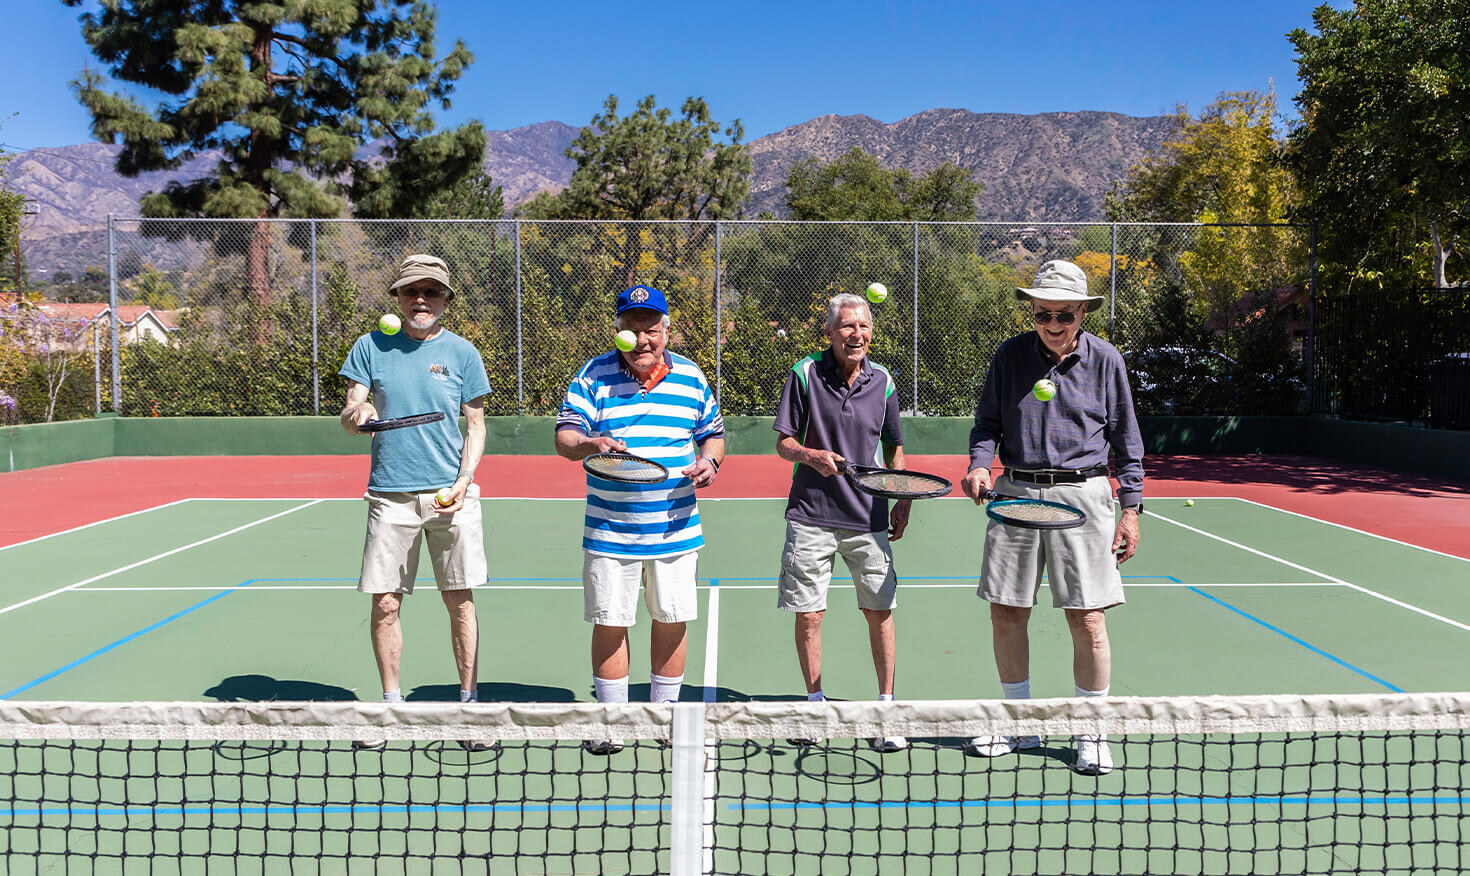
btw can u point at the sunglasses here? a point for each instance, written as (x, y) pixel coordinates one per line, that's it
(430, 294)
(1043, 317)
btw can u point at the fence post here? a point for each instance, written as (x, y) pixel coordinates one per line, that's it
(719, 320)
(96, 373)
(520, 378)
(316, 380)
(1113, 284)
(1312, 321)
(112, 304)
(914, 409)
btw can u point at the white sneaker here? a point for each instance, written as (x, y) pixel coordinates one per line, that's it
(803, 741)
(369, 744)
(603, 747)
(888, 744)
(995, 746)
(1093, 757)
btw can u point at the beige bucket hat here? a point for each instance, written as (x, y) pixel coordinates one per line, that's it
(422, 267)
(1060, 280)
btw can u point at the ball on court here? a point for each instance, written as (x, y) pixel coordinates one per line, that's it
(780, 333)
(444, 498)
(389, 324)
(1044, 390)
(1189, 502)
(625, 340)
(877, 292)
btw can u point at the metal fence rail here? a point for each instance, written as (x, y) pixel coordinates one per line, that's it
(1211, 317)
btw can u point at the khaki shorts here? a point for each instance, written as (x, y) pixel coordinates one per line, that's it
(811, 551)
(610, 589)
(1078, 563)
(399, 522)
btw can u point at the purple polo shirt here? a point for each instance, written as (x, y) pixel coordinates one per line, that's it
(820, 410)
(1091, 414)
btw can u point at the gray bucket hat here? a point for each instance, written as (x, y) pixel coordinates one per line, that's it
(422, 267)
(1060, 280)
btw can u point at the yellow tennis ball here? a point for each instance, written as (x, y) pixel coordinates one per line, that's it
(877, 292)
(1189, 502)
(389, 324)
(1044, 390)
(445, 497)
(625, 340)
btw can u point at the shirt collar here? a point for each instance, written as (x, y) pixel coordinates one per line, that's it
(660, 371)
(829, 364)
(1084, 347)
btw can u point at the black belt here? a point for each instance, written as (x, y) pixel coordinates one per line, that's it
(1050, 476)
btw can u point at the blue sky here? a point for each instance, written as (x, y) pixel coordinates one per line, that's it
(776, 64)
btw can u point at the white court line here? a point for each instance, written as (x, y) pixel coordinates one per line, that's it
(712, 643)
(1354, 529)
(93, 523)
(1361, 589)
(970, 585)
(35, 599)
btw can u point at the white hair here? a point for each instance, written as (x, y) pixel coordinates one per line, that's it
(619, 321)
(844, 301)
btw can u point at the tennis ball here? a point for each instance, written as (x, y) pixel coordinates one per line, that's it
(625, 340)
(1044, 390)
(1189, 502)
(445, 497)
(389, 324)
(877, 292)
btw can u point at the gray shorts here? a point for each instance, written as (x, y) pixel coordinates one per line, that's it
(809, 554)
(399, 522)
(1078, 563)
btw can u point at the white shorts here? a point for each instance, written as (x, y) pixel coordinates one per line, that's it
(399, 522)
(811, 551)
(1078, 563)
(610, 589)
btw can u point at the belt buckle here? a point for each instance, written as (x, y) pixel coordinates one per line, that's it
(1051, 478)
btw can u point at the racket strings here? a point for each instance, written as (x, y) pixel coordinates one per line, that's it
(902, 482)
(628, 468)
(1034, 512)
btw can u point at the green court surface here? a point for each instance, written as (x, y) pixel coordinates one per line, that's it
(254, 600)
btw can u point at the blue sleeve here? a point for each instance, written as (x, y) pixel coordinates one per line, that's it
(358, 365)
(791, 409)
(711, 424)
(892, 434)
(476, 383)
(579, 408)
(986, 432)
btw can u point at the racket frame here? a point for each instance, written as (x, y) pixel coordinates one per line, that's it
(384, 425)
(993, 498)
(853, 471)
(587, 463)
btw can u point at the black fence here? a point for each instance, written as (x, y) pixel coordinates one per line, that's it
(1393, 355)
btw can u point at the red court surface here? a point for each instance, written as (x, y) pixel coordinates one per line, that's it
(1412, 508)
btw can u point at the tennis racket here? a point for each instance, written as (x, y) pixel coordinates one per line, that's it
(624, 468)
(895, 483)
(400, 422)
(1032, 513)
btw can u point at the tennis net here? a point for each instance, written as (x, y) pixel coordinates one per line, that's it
(1284, 784)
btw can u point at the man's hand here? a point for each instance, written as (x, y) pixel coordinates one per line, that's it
(976, 484)
(826, 462)
(603, 444)
(702, 472)
(355, 415)
(898, 519)
(1125, 540)
(457, 493)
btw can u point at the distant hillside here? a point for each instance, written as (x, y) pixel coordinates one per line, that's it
(1050, 166)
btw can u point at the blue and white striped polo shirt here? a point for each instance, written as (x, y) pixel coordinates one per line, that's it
(643, 521)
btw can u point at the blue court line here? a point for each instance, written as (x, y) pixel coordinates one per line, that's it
(534, 808)
(1305, 644)
(120, 642)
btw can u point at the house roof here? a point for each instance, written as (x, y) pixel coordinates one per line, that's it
(128, 314)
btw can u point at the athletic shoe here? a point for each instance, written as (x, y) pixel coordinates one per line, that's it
(369, 744)
(1093, 757)
(478, 745)
(803, 741)
(995, 746)
(888, 744)
(603, 747)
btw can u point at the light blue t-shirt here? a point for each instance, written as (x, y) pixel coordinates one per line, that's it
(408, 377)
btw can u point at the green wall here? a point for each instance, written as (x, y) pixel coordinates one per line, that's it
(1429, 451)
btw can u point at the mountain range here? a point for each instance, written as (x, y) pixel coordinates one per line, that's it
(1046, 166)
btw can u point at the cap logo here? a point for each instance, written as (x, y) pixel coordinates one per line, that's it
(639, 296)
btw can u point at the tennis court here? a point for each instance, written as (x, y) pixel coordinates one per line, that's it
(246, 600)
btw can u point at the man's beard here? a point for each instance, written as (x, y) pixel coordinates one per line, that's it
(423, 321)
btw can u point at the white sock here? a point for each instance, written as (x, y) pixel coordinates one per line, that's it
(469, 696)
(611, 690)
(1083, 692)
(392, 696)
(662, 689)
(885, 698)
(815, 697)
(1017, 690)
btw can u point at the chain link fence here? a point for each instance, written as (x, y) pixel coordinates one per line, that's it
(1212, 318)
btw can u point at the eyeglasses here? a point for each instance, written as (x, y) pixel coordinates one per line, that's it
(1043, 317)
(430, 294)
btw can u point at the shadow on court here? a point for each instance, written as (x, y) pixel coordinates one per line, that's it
(494, 692)
(263, 688)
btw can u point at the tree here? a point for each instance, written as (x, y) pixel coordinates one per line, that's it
(1381, 149)
(152, 289)
(855, 187)
(474, 196)
(287, 91)
(12, 208)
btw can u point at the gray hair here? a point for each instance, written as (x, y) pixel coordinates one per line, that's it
(619, 320)
(844, 301)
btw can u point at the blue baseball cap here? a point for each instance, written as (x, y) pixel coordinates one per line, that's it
(643, 296)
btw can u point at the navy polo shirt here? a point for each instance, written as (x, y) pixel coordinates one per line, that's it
(820, 409)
